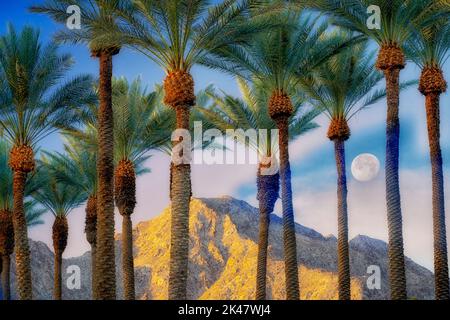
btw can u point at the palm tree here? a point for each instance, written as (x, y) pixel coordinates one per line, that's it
(141, 125)
(32, 216)
(60, 199)
(250, 112)
(399, 18)
(276, 59)
(139, 130)
(430, 49)
(178, 34)
(31, 108)
(99, 22)
(341, 88)
(80, 169)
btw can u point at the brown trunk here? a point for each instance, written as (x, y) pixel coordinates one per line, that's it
(6, 249)
(91, 235)
(22, 250)
(343, 250)
(127, 258)
(268, 187)
(179, 242)
(60, 232)
(6, 285)
(394, 214)
(105, 261)
(57, 292)
(439, 228)
(125, 197)
(289, 238)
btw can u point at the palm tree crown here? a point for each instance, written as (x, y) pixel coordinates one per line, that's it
(345, 84)
(32, 104)
(98, 18)
(250, 112)
(57, 196)
(32, 211)
(277, 57)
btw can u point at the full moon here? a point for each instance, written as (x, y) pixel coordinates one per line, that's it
(365, 167)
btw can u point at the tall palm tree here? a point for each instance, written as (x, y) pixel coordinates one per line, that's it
(139, 130)
(141, 125)
(430, 49)
(399, 18)
(60, 199)
(31, 108)
(80, 169)
(178, 34)
(32, 216)
(250, 112)
(276, 59)
(341, 88)
(99, 22)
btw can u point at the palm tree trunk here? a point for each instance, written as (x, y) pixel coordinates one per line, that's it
(439, 229)
(179, 241)
(21, 248)
(394, 214)
(268, 189)
(6, 286)
(343, 250)
(289, 239)
(60, 232)
(90, 230)
(57, 292)
(105, 261)
(127, 258)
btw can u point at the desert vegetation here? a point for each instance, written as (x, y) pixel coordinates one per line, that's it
(293, 61)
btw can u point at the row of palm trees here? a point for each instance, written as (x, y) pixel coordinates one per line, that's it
(284, 56)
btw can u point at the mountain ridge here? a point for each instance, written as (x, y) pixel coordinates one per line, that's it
(222, 259)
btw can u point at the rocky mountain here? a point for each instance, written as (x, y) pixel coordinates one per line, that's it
(223, 249)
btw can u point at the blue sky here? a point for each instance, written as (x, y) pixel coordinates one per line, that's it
(312, 155)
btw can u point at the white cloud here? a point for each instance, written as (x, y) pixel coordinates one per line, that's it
(367, 212)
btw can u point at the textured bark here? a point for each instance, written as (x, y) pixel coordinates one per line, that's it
(57, 290)
(439, 228)
(6, 272)
(343, 250)
(179, 241)
(105, 262)
(60, 232)
(268, 191)
(90, 230)
(127, 258)
(6, 250)
(289, 240)
(21, 248)
(125, 197)
(394, 213)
